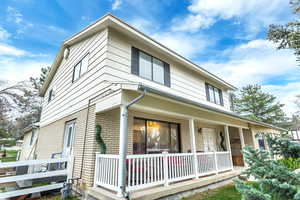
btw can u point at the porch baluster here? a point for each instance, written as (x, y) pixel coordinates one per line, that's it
(166, 177)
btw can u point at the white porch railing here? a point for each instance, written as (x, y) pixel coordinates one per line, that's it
(147, 170)
(224, 161)
(37, 169)
(106, 171)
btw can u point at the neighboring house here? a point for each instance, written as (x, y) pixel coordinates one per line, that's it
(148, 100)
(295, 133)
(29, 142)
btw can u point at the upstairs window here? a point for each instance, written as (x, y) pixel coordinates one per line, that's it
(50, 95)
(149, 67)
(214, 94)
(80, 68)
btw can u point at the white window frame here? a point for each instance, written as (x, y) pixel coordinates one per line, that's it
(152, 74)
(215, 92)
(79, 64)
(50, 95)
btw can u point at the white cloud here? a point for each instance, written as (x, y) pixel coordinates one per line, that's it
(4, 35)
(286, 94)
(188, 45)
(9, 50)
(143, 25)
(192, 23)
(116, 4)
(258, 62)
(255, 14)
(14, 16)
(15, 70)
(254, 62)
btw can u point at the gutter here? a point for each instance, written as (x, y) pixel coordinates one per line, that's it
(201, 105)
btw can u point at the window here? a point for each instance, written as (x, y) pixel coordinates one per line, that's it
(145, 66)
(149, 67)
(261, 143)
(80, 68)
(214, 94)
(50, 96)
(151, 136)
(158, 71)
(231, 100)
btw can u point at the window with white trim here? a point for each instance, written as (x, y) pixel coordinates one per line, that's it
(214, 94)
(80, 68)
(151, 68)
(50, 95)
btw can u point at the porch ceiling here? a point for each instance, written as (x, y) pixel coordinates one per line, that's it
(206, 107)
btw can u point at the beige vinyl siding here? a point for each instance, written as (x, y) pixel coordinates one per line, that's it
(26, 147)
(71, 97)
(51, 139)
(184, 82)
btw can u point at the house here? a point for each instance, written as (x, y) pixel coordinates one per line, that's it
(29, 142)
(164, 119)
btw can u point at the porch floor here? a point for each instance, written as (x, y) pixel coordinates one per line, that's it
(162, 191)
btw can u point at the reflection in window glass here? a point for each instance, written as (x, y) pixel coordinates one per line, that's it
(217, 96)
(139, 136)
(214, 94)
(157, 137)
(69, 137)
(145, 66)
(76, 72)
(84, 64)
(150, 136)
(174, 138)
(211, 93)
(158, 71)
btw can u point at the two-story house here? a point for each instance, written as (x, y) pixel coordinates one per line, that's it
(164, 119)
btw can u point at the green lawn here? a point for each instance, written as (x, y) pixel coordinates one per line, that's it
(227, 192)
(11, 155)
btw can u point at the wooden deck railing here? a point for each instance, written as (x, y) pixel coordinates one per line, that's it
(34, 170)
(147, 170)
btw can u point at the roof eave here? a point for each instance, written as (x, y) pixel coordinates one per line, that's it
(201, 105)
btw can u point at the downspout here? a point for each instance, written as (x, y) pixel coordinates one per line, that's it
(123, 144)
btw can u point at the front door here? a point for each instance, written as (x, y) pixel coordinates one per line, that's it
(69, 138)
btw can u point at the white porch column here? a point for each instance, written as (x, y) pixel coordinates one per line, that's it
(242, 137)
(242, 143)
(228, 146)
(193, 145)
(122, 151)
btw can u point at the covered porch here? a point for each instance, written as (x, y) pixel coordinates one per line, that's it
(167, 143)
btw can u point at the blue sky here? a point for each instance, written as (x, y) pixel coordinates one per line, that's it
(226, 37)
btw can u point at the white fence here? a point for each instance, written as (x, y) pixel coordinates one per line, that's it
(147, 170)
(37, 169)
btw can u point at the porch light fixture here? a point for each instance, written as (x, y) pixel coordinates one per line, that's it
(200, 131)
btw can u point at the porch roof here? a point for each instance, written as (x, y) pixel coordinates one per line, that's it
(201, 105)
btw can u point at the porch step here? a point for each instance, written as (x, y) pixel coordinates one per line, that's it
(161, 192)
(171, 190)
(101, 194)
